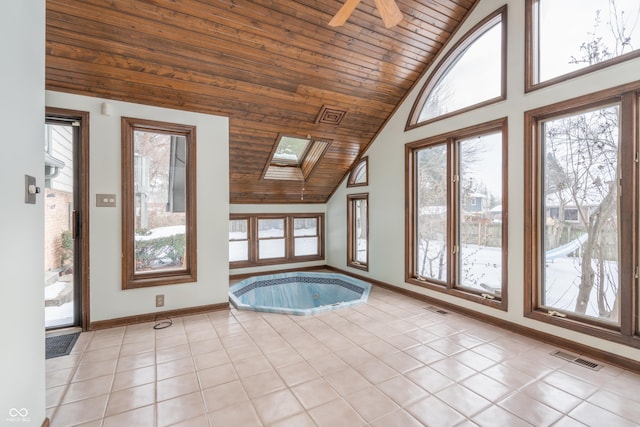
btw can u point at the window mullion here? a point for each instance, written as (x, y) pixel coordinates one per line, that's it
(628, 222)
(253, 239)
(452, 213)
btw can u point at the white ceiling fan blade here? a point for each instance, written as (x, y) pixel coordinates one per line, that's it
(390, 12)
(344, 13)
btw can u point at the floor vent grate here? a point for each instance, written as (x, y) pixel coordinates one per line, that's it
(577, 360)
(436, 309)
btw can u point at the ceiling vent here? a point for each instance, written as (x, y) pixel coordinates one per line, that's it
(330, 115)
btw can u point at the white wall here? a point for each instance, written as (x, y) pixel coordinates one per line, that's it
(22, 373)
(387, 173)
(278, 209)
(108, 300)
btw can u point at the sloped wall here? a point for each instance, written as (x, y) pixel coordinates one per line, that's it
(387, 173)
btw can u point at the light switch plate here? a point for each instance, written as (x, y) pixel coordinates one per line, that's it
(105, 200)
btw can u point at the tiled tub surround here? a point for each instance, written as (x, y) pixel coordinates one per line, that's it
(300, 293)
(389, 362)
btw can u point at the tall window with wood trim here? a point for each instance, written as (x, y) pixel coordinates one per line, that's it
(581, 269)
(358, 231)
(456, 228)
(158, 203)
(472, 74)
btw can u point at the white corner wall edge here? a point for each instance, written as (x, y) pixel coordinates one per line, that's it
(22, 360)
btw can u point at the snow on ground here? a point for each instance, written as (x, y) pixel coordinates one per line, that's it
(58, 315)
(273, 248)
(52, 291)
(482, 265)
(562, 279)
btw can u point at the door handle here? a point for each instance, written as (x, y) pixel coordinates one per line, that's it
(75, 224)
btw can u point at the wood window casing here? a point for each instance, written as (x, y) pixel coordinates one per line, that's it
(449, 59)
(627, 332)
(188, 273)
(352, 227)
(246, 239)
(451, 284)
(289, 238)
(359, 169)
(532, 53)
(85, 206)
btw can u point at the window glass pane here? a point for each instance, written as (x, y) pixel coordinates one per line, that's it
(272, 248)
(290, 150)
(581, 229)
(361, 175)
(238, 229)
(431, 206)
(306, 246)
(599, 30)
(480, 207)
(360, 228)
(270, 228)
(238, 250)
(159, 201)
(305, 227)
(474, 75)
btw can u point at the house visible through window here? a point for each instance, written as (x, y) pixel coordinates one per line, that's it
(579, 243)
(581, 173)
(456, 226)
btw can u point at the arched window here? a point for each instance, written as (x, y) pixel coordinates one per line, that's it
(470, 75)
(359, 176)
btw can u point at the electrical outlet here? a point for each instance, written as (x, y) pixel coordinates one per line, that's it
(159, 300)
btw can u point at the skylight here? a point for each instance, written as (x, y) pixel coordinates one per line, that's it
(294, 158)
(290, 151)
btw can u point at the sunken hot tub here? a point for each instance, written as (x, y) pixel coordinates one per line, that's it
(300, 293)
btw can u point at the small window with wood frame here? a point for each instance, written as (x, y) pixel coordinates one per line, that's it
(293, 158)
(601, 33)
(456, 229)
(472, 74)
(359, 175)
(158, 203)
(259, 239)
(358, 231)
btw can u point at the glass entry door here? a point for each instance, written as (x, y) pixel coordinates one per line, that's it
(61, 224)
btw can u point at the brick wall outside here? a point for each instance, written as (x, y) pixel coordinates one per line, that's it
(57, 214)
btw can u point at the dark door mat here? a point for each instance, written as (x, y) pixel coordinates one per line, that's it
(60, 345)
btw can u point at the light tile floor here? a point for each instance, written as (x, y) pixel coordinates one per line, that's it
(391, 362)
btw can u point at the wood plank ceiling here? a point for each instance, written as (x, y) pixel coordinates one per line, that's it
(269, 65)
